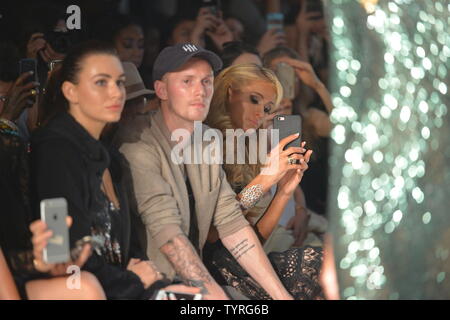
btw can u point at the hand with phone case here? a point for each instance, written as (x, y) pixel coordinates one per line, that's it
(278, 163)
(40, 238)
(306, 74)
(272, 38)
(286, 125)
(17, 99)
(211, 24)
(205, 21)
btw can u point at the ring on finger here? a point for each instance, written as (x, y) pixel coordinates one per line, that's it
(292, 160)
(33, 92)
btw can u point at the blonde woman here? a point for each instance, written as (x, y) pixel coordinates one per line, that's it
(242, 96)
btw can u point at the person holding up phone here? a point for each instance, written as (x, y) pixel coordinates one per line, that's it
(315, 118)
(243, 94)
(311, 36)
(210, 23)
(16, 100)
(274, 35)
(69, 161)
(304, 74)
(27, 279)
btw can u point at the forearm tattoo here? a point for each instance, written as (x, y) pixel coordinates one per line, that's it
(241, 248)
(186, 262)
(250, 196)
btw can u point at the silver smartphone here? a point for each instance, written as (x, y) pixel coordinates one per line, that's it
(54, 213)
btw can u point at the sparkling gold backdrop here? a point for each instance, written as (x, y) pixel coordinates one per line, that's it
(390, 165)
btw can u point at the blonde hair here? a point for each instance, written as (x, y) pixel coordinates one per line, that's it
(236, 77)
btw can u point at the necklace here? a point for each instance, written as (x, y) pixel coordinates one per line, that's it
(113, 202)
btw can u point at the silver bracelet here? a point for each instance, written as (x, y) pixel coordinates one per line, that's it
(250, 196)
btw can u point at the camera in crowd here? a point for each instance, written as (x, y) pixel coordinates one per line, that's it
(214, 6)
(62, 41)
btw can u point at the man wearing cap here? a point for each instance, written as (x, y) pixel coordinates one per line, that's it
(178, 203)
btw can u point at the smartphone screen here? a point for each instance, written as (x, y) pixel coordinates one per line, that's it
(286, 74)
(288, 125)
(54, 213)
(275, 21)
(27, 65)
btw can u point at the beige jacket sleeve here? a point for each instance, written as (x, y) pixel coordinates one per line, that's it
(154, 197)
(228, 217)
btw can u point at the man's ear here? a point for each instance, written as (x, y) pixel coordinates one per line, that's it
(161, 89)
(70, 91)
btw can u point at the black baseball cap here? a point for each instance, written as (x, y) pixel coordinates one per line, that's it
(173, 57)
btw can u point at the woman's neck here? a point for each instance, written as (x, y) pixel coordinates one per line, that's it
(94, 128)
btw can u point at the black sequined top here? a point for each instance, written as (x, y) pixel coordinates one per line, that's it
(67, 162)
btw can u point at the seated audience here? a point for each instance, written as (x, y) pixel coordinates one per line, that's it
(90, 93)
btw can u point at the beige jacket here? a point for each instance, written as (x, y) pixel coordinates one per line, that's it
(159, 189)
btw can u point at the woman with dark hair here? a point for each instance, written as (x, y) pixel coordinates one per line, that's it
(125, 33)
(69, 161)
(19, 272)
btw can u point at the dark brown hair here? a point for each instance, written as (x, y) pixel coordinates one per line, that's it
(53, 100)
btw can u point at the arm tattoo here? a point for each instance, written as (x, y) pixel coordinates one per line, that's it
(186, 262)
(241, 248)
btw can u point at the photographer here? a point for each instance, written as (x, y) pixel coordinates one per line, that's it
(210, 23)
(17, 94)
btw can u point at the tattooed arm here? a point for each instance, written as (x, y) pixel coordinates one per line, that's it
(188, 265)
(247, 250)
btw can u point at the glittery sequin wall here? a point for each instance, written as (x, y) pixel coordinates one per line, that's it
(390, 166)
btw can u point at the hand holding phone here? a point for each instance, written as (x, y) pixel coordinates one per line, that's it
(288, 125)
(29, 66)
(40, 236)
(17, 98)
(275, 21)
(54, 214)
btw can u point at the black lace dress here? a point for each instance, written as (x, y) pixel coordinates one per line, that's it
(298, 269)
(15, 212)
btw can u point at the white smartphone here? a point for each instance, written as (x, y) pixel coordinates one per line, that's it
(54, 213)
(163, 294)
